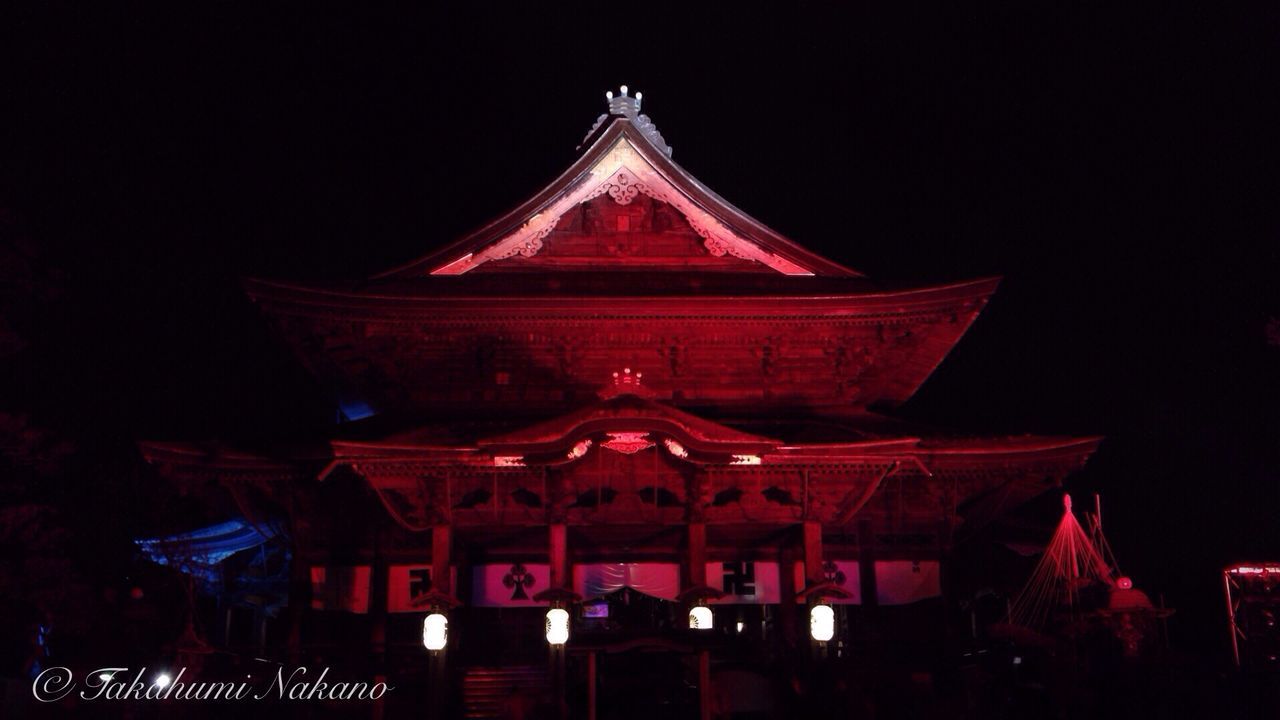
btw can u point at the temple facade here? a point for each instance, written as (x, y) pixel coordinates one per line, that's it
(628, 399)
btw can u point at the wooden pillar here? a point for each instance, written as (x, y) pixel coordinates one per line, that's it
(437, 695)
(706, 693)
(591, 685)
(697, 562)
(378, 612)
(867, 564)
(787, 589)
(260, 627)
(950, 608)
(441, 555)
(697, 559)
(299, 582)
(441, 581)
(813, 552)
(556, 671)
(378, 622)
(867, 583)
(558, 542)
(299, 603)
(558, 552)
(811, 546)
(949, 611)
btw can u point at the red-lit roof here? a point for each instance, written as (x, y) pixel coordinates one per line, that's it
(621, 159)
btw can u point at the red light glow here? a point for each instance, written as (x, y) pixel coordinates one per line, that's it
(1254, 570)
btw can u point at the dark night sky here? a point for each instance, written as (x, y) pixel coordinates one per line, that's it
(1117, 167)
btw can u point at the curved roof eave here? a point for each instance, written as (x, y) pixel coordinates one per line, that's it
(301, 297)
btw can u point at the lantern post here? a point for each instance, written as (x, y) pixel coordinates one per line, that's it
(435, 639)
(556, 628)
(822, 616)
(701, 620)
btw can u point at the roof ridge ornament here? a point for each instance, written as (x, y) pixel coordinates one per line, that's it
(626, 383)
(624, 104)
(627, 106)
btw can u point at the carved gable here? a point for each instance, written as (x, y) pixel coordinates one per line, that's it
(623, 174)
(637, 232)
(628, 162)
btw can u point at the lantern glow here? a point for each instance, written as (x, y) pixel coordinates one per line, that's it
(557, 626)
(700, 618)
(822, 623)
(435, 631)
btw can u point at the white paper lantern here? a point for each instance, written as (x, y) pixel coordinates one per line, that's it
(822, 623)
(700, 618)
(435, 631)
(557, 626)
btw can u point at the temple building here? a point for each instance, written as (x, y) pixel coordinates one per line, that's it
(629, 400)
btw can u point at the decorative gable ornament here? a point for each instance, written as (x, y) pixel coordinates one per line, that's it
(628, 443)
(628, 383)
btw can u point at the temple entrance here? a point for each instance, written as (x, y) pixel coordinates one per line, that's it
(646, 681)
(627, 649)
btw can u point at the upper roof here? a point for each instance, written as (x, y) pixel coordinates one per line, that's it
(625, 206)
(623, 259)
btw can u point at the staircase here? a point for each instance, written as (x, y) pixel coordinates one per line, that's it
(485, 689)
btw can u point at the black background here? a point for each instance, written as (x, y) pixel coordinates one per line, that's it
(1117, 166)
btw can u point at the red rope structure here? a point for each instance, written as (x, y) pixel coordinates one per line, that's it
(1070, 562)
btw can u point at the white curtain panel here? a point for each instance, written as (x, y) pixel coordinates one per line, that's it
(661, 580)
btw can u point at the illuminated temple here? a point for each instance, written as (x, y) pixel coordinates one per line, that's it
(628, 399)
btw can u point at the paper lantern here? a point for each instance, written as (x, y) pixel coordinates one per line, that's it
(822, 623)
(700, 618)
(557, 626)
(435, 631)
